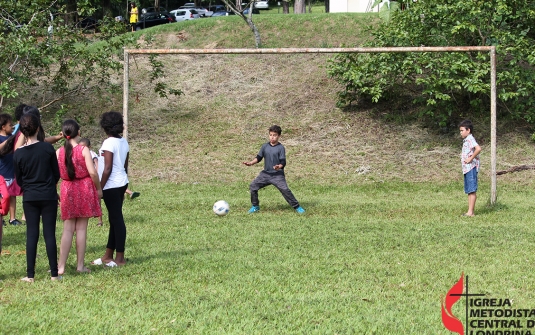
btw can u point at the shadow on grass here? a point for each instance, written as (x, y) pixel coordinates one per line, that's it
(497, 207)
(14, 238)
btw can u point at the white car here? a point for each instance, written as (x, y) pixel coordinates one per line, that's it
(261, 5)
(202, 12)
(184, 14)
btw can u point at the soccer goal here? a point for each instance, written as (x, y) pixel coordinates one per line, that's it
(490, 49)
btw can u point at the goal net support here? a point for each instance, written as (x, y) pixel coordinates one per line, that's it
(489, 49)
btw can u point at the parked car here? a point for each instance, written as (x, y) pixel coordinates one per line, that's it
(263, 4)
(245, 6)
(88, 23)
(255, 11)
(217, 8)
(9, 26)
(184, 14)
(188, 5)
(201, 10)
(153, 19)
(216, 14)
(151, 10)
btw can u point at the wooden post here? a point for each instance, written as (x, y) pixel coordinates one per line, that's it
(125, 94)
(493, 195)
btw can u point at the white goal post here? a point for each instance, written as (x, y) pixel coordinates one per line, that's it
(490, 49)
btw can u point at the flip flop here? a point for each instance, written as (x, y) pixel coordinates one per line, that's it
(97, 261)
(111, 264)
(134, 195)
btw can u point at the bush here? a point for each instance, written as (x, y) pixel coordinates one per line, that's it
(450, 86)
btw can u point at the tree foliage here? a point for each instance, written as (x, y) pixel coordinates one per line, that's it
(42, 47)
(449, 85)
(47, 51)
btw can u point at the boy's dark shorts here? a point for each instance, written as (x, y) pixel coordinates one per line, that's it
(470, 181)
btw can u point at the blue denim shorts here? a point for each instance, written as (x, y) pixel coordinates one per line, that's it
(470, 181)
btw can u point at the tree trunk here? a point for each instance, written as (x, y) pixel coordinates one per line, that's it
(285, 7)
(300, 7)
(71, 15)
(326, 6)
(106, 9)
(256, 33)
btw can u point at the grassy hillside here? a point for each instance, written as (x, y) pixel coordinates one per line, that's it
(229, 102)
(276, 30)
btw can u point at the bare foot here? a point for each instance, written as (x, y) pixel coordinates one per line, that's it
(28, 280)
(84, 270)
(99, 224)
(469, 215)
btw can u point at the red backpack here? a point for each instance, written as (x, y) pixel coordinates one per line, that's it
(4, 201)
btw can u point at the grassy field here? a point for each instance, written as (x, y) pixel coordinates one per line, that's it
(364, 259)
(379, 247)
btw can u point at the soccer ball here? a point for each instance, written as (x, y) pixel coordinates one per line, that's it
(221, 207)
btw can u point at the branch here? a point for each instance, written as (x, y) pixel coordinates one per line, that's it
(516, 169)
(71, 92)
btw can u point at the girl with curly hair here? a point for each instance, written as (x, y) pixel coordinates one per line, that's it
(114, 182)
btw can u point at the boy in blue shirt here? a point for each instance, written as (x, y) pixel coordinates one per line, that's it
(274, 157)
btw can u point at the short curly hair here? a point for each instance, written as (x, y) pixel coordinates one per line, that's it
(112, 123)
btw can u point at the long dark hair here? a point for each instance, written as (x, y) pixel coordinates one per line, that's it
(35, 111)
(29, 125)
(70, 129)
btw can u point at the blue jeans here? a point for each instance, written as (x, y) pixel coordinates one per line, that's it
(470, 181)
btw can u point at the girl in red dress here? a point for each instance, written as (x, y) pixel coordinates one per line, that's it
(80, 194)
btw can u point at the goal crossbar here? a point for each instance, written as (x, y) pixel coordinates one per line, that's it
(490, 49)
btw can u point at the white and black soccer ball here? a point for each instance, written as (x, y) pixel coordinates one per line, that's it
(221, 208)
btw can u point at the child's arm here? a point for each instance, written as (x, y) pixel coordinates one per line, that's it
(54, 139)
(477, 150)
(253, 162)
(20, 142)
(91, 169)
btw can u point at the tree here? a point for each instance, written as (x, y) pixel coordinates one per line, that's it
(286, 6)
(449, 85)
(63, 64)
(300, 7)
(247, 18)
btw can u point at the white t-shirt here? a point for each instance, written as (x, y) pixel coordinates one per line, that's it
(119, 148)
